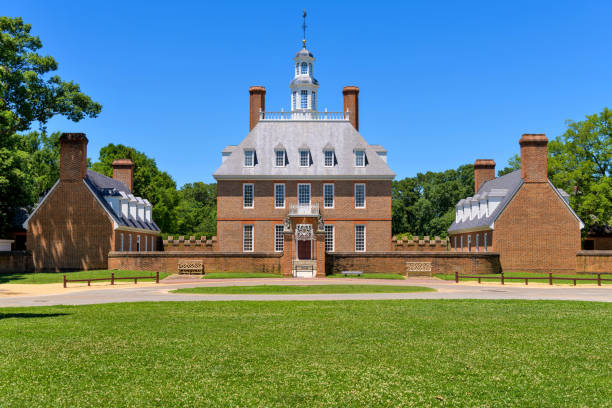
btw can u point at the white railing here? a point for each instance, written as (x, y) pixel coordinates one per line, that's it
(304, 209)
(299, 115)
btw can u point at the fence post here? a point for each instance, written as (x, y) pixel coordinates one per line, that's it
(456, 277)
(135, 281)
(550, 278)
(598, 279)
(157, 277)
(64, 281)
(112, 278)
(502, 278)
(526, 281)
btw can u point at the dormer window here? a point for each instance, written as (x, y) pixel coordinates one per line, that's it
(279, 160)
(249, 158)
(329, 158)
(360, 158)
(304, 158)
(304, 69)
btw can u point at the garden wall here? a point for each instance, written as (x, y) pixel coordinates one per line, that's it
(594, 261)
(15, 262)
(415, 244)
(167, 261)
(191, 244)
(414, 263)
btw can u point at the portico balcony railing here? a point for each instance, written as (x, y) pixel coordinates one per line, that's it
(304, 209)
(305, 115)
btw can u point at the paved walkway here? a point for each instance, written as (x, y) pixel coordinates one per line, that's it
(445, 290)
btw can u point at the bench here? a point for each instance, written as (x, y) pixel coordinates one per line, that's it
(352, 273)
(190, 266)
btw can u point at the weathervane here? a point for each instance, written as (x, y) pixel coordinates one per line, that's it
(304, 28)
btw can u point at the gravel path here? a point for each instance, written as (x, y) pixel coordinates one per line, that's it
(445, 290)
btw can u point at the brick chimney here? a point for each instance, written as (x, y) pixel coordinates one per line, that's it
(73, 156)
(351, 103)
(534, 158)
(258, 103)
(123, 170)
(484, 170)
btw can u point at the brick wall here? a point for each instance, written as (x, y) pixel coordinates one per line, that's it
(594, 261)
(15, 262)
(401, 262)
(213, 261)
(416, 244)
(536, 232)
(191, 244)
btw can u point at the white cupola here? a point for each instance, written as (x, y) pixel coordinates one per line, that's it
(304, 86)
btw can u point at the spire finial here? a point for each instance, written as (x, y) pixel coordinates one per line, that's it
(304, 28)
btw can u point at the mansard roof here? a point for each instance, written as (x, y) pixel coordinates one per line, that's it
(318, 136)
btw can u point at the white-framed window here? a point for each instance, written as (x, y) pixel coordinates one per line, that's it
(328, 196)
(303, 194)
(485, 242)
(304, 158)
(130, 235)
(138, 243)
(360, 238)
(310, 68)
(146, 243)
(248, 195)
(360, 195)
(456, 243)
(279, 239)
(279, 158)
(469, 243)
(247, 238)
(359, 158)
(304, 69)
(279, 196)
(294, 101)
(152, 243)
(329, 158)
(304, 99)
(477, 243)
(329, 238)
(122, 238)
(249, 158)
(461, 239)
(313, 100)
(297, 68)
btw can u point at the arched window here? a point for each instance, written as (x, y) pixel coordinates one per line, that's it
(310, 68)
(304, 68)
(304, 99)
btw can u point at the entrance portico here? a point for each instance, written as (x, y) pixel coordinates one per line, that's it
(304, 242)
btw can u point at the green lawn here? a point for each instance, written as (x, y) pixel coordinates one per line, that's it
(302, 289)
(57, 277)
(369, 276)
(451, 353)
(240, 275)
(450, 276)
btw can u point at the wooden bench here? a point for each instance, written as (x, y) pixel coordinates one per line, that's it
(352, 273)
(189, 267)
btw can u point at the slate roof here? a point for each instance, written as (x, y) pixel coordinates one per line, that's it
(511, 182)
(104, 186)
(317, 136)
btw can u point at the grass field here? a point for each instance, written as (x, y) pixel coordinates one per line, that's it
(303, 289)
(369, 276)
(451, 276)
(451, 353)
(240, 275)
(57, 277)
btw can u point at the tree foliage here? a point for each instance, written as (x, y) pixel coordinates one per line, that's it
(425, 204)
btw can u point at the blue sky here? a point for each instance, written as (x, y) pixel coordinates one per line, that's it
(442, 83)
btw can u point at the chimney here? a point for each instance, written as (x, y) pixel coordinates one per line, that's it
(73, 156)
(484, 170)
(534, 158)
(351, 104)
(123, 170)
(258, 103)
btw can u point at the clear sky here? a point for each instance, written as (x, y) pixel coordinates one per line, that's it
(442, 82)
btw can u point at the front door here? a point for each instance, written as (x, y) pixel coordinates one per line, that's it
(304, 248)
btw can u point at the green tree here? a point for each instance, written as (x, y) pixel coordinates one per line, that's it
(197, 210)
(514, 163)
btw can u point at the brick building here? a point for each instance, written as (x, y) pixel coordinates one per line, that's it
(520, 215)
(86, 214)
(304, 182)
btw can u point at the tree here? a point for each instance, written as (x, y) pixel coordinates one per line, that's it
(29, 94)
(514, 163)
(197, 210)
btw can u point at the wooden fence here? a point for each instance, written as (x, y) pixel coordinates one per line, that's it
(112, 279)
(548, 278)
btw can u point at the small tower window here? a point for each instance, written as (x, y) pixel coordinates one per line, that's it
(294, 101)
(304, 99)
(297, 68)
(313, 102)
(304, 68)
(310, 68)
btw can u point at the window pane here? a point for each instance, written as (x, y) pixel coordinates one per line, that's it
(359, 238)
(304, 158)
(247, 195)
(279, 242)
(280, 158)
(248, 158)
(359, 195)
(304, 194)
(304, 99)
(329, 238)
(329, 158)
(247, 238)
(279, 195)
(359, 158)
(328, 195)
(304, 68)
